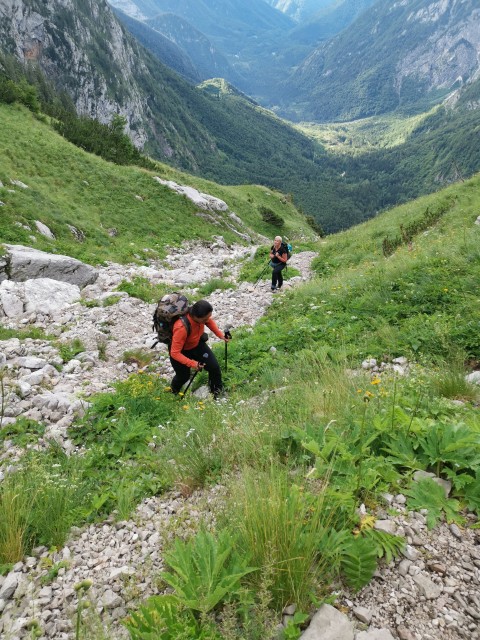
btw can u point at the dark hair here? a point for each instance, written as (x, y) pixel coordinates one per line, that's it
(201, 309)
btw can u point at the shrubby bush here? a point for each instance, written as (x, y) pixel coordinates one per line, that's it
(270, 217)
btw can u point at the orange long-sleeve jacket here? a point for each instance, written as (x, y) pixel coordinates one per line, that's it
(183, 342)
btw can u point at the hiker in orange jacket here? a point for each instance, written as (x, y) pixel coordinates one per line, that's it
(189, 349)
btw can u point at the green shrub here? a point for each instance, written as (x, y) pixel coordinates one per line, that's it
(164, 618)
(68, 350)
(270, 217)
(214, 285)
(316, 226)
(205, 570)
(142, 288)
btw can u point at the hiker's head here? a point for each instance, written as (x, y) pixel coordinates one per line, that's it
(277, 242)
(201, 311)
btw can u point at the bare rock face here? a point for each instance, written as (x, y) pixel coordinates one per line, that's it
(61, 51)
(24, 263)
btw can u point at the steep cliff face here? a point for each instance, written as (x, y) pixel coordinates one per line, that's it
(451, 54)
(83, 49)
(397, 53)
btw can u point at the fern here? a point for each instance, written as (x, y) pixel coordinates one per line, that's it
(386, 545)
(472, 493)
(359, 562)
(426, 494)
(162, 618)
(205, 570)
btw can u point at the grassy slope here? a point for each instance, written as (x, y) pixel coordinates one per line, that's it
(422, 302)
(69, 186)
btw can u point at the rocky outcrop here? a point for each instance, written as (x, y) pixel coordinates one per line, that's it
(40, 296)
(202, 200)
(403, 52)
(24, 263)
(451, 55)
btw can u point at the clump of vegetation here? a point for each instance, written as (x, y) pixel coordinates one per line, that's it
(35, 333)
(140, 287)
(68, 350)
(270, 217)
(316, 226)
(410, 230)
(105, 140)
(140, 357)
(215, 284)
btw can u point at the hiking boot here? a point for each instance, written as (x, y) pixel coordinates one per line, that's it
(273, 289)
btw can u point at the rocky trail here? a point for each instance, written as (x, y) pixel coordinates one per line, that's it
(431, 593)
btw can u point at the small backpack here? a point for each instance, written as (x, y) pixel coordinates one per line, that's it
(169, 309)
(288, 248)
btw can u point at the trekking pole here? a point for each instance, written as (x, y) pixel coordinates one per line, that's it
(192, 378)
(260, 276)
(227, 334)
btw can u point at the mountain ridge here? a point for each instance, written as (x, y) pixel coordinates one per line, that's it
(420, 51)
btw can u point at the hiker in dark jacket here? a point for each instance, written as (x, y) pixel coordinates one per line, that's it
(278, 260)
(188, 349)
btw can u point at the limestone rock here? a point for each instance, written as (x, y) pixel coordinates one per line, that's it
(329, 624)
(25, 263)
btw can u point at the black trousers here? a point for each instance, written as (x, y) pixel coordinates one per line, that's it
(277, 277)
(200, 353)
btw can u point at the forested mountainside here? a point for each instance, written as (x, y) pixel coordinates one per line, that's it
(328, 20)
(251, 37)
(260, 44)
(162, 47)
(396, 55)
(208, 60)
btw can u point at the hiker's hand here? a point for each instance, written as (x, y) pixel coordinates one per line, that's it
(227, 336)
(199, 366)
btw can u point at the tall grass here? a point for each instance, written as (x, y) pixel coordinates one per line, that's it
(38, 504)
(450, 382)
(279, 530)
(16, 507)
(215, 284)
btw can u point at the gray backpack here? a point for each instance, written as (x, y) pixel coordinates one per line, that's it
(170, 308)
